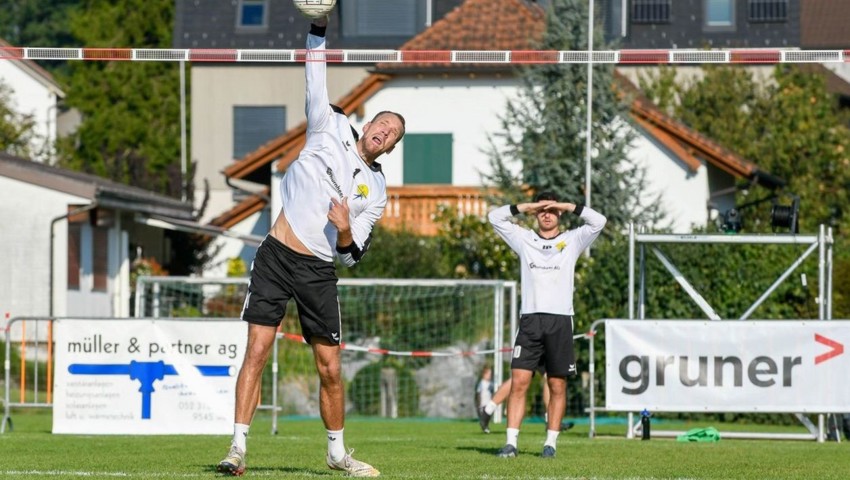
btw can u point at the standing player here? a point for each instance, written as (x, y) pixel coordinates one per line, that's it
(332, 196)
(548, 259)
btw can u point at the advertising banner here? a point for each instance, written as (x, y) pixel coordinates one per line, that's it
(146, 376)
(727, 366)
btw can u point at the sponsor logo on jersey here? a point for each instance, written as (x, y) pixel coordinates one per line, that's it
(561, 245)
(362, 191)
(533, 266)
(330, 173)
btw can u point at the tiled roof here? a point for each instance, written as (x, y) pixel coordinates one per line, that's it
(104, 191)
(824, 24)
(479, 25)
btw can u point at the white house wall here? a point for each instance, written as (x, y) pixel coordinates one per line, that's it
(467, 108)
(682, 192)
(226, 248)
(33, 97)
(25, 247)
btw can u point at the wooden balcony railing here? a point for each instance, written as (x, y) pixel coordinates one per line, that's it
(413, 207)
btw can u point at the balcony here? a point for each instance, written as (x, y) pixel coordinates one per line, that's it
(413, 207)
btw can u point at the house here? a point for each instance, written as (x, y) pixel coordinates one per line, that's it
(69, 238)
(682, 24)
(454, 109)
(33, 92)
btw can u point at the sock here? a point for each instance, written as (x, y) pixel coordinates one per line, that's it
(490, 407)
(240, 436)
(336, 447)
(552, 438)
(513, 434)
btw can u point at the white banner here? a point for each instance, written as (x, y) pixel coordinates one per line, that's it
(146, 377)
(727, 366)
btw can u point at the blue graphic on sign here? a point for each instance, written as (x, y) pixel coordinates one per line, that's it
(146, 373)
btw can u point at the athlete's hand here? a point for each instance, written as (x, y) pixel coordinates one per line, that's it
(338, 214)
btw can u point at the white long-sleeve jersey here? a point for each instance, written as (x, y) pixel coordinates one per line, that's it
(328, 167)
(547, 265)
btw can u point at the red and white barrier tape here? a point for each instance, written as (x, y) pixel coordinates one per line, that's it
(670, 56)
(383, 351)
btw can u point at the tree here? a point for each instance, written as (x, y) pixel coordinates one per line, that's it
(544, 130)
(791, 126)
(38, 23)
(16, 129)
(131, 111)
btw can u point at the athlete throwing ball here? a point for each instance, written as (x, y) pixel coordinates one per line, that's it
(545, 337)
(332, 196)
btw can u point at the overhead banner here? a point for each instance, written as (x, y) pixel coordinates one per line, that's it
(146, 376)
(727, 366)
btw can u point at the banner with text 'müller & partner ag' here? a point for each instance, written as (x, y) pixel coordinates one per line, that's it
(146, 376)
(727, 366)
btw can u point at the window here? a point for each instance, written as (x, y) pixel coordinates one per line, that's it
(768, 10)
(719, 13)
(100, 258)
(252, 14)
(427, 158)
(382, 18)
(651, 11)
(74, 238)
(254, 126)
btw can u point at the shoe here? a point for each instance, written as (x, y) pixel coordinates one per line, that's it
(484, 419)
(508, 451)
(234, 463)
(354, 468)
(548, 452)
(566, 426)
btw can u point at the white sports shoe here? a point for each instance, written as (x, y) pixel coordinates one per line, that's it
(354, 468)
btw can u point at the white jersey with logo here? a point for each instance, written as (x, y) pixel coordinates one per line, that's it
(547, 265)
(329, 167)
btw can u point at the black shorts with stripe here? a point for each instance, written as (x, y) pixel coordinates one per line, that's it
(545, 340)
(279, 274)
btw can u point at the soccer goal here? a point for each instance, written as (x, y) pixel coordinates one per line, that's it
(412, 348)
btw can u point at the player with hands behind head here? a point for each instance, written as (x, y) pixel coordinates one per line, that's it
(545, 337)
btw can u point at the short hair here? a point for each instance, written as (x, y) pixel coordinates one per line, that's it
(398, 115)
(545, 195)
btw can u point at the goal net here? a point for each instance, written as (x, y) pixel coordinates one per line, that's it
(412, 348)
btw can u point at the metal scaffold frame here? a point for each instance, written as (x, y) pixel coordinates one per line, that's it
(822, 242)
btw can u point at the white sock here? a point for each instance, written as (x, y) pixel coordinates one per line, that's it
(240, 436)
(513, 434)
(336, 447)
(552, 438)
(490, 407)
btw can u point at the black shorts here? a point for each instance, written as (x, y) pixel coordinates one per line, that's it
(278, 274)
(547, 340)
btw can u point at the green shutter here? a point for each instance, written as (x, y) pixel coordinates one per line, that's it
(428, 158)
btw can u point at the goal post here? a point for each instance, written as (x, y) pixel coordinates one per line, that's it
(412, 347)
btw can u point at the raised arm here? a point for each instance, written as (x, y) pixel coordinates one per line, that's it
(317, 107)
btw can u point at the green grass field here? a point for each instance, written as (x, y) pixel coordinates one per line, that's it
(414, 449)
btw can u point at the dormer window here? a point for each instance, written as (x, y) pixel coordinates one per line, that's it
(252, 14)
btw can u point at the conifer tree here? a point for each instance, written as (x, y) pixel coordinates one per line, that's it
(543, 135)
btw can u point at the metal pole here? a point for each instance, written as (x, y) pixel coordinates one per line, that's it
(588, 146)
(631, 271)
(183, 166)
